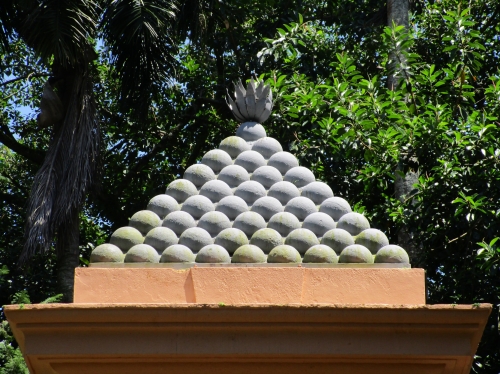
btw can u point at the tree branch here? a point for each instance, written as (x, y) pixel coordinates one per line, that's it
(34, 155)
(28, 76)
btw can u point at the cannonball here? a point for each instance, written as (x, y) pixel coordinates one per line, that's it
(372, 239)
(213, 254)
(126, 237)
(266, 239)
(248, 254)
(283, 161)
(320, 254)
(197, 206)
(335, 207)
(267, 176)
(250, 191)
(160, 238)
(392, 254)
(106, 253)
(300, 207)
(267, 207)
(319, 223)
(283, 191)
(317, 192)
(217, 160)
(356, 254)
(179, 221)
(181, 189)
(251, 131)
(337, 239)
(163, 205)
(284, 223)
(234, 145)
(216, 190)
(233, 175)
(284, 254)
(231, 239)
(354, 223)
(177, 253)
(250, 160)
(195, 238)
(267, 147)
(144, 221)
(199, 174)
(214, 222)
(142, 253)
(249, 223)
(301, 240)
(299, 176)
(232, 206)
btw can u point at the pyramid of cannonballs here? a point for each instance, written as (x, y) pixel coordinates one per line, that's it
(248, 202)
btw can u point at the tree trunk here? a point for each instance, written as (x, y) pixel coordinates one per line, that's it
(397, 14)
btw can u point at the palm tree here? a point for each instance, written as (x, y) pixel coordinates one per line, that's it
(63, 34)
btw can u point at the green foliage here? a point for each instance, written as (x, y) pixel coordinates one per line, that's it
(11, 358)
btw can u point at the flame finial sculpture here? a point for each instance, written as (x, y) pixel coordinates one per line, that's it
(253, 104)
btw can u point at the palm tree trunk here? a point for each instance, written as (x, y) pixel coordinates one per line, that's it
(68, 255)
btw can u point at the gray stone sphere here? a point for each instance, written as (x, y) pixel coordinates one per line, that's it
(301, 240)
(283, 191)
(266, 239)
(106, 253)
(267, 147)
(320, 254)
(234, 145)
(163, 205)
(337, 239)
(142, 253)
(214, 223)
(197, 206)
(249, 223)
(126, 237)
(249, 254)
(181, 189)
(299, 176)
(199, 174)
(354, 223)
(217, 160)
(301, 207)
(177, 253)
(213, 254)
(250, 160)
(233, 175)
(144, 221)
(392, 254)
(231, 239)
(284, 254)
(251, 131)
(319, 223)
(160, 238)
(356, 254)
(267, 207)
(232, 206)
(283, 161)
(195, 238)
(317, 192)
(250, 191)
(179, 221)
(216, 190)
(372, 239)
(284, 223)
(335, 207)
(267, 176)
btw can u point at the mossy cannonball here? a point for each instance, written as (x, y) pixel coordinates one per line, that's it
(284, 254)
(284, 223)
(251, 131)
(213, 254)
(317, 192)
(335, 207)
(283, 161)
(267, 176)
(106, 253)
(372, 239)
(337, 239)
(250, 191)
(353, 223)
(301, 207)
(301, 240)
(216, 190)
(232, 206)
(299, 176)
(179, 221)
(195, 238)
(126, 237)
(160, 238)
(163, 205)
(233, 175)
(177, 253)
(392, 254)
(234, 145)
(356, 254)
(248, 254)
(199, 174)
(181, 189)
(266, 239)
(144, 221)
(283, 192)
(267, 207)
(216, 159)
(197, 206)
(249, 223)
(214, 223)
(231, 239)
(320, 254)
(319, 223)
(267, 147)
(142, 253)
(250, 160)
